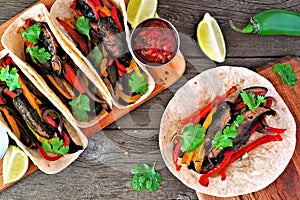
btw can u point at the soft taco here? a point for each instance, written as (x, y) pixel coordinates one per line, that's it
(227, 132)
(37, 47)
(36, 125)
(98, 32)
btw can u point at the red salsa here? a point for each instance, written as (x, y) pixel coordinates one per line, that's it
(155, 42)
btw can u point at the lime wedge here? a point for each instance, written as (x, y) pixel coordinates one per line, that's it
(210, 38)
(15, 164)
(139, 10)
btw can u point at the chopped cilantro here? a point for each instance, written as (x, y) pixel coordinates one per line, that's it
(83, 26)
(32, 34)
(39, 54)
(56, 146)
(145, 178)
(138, 83)
(192, 138)
(251, 100)
(286, 73)
(80, 107)
(95, 57)
(11, 78)
(224, 138)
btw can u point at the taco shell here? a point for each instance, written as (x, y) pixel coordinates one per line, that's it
(50, 167)
(14, 43)
(251, 173)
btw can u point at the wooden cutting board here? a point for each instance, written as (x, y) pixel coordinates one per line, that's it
(287, 186)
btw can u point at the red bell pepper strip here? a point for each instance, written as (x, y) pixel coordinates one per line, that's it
(2, 102)
(73, 5)
(204, 178)
(46, 156)
(81, 43)
(275, 130)
(102, 14)
(175, 154)
(71, 77)
(7, 61)
(246, 149)
(97, 3)
(27, 23)
(199, 114)
(66, 138)
(121, 68)
(10, 93)
(114, 15)
(93, 6)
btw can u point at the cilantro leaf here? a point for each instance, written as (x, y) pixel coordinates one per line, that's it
(32, 34)
(138, 83)
(38, 54)
(251, 100)
(95, 57)
(286, 73)
(224, 138)
(192, 138)
(145, 178)
(83, 26)
(11, 78)
(56, 146)
(80, 107)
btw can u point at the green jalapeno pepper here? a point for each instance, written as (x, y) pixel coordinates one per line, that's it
(272, 22)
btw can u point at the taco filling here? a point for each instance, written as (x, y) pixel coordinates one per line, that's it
(62, 75)
(31, 116)
(212, 138)
(97, 29)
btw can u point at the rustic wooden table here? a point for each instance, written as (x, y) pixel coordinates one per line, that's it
(103, 170)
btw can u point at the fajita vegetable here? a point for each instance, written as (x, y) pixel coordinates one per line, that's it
(96, 31)
(247, 138)
(36, 125)
(33, 39)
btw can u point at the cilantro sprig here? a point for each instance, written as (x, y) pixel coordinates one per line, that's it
(224, 138)
(286, 73)
(10, 77)
(145, 178)
(83, 26)
(56, 146)
(80, 107)
(138, 83)
(39, 54)
(32, 34)
(192, 138)
(251, 100)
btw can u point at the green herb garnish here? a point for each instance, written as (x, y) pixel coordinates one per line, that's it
(192, 138)
(38, 54)
(95, 56)
(56, 146)
(145, 178)
(83, 26)
(138, 83)
(286, 73)
(224, 138)
(32, 34)
(11, 78)
(251, 100)
(80, 107)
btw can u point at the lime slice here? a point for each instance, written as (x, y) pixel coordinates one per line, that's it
(15, 164)
(210, 38)
(139, 10)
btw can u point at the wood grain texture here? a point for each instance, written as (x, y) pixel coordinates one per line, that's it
(103, 170)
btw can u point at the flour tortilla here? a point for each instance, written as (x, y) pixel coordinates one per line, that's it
(14, 43)
(256, 170)
(61, 9)
(50, 167)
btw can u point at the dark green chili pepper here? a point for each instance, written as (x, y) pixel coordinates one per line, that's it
(272, 22)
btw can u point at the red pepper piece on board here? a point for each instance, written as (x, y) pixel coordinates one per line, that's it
(204, 178)
(199, 114)
(246, 149)
(114, 15)
(81, 43)
(71, 77)
(175, 154)
(121, 68)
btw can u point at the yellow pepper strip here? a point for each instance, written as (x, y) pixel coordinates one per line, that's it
(104, 10)
(65, 94)
(198, 155)
(32, 99)
(12, 122)
(127, 98)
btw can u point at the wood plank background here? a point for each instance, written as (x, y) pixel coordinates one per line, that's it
(103, 170)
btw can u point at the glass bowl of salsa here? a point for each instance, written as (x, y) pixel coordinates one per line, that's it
(154, 42)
